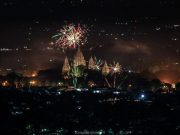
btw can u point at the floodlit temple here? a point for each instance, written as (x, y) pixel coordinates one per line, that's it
(105, 69)
(66, 67)
(91, 64)
(79, 60)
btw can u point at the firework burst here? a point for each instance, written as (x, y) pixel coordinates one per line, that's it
(70, 36)
(98, 63)
(115, 68)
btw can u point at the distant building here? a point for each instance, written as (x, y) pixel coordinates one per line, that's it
(105, 69)
(66, 67)
(79, 59)
(91, 64)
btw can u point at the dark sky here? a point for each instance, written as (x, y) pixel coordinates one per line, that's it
(140, 34)
(45, 9)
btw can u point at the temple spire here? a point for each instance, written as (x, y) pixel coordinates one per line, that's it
(66, 67)
(118, 67)
(79, 58)
(105, 69)
(91, 64)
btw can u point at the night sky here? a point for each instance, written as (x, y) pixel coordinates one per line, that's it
(140, 34)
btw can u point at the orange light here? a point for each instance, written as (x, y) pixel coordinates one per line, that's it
(5, 83)
(32, 82)
(130, 85)
(34, 74)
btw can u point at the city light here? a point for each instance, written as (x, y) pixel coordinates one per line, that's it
(142, 96)
(32, 83)
(60, 83)
(5, 83)
(96, 91)
(34, 75)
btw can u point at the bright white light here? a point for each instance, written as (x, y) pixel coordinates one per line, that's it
(116, 92)
(97, 91)
(142, 95)
(78, 89)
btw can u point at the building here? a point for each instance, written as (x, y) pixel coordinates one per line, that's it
(105, 69)
(66, 67)
(91, 64)
(79, 59)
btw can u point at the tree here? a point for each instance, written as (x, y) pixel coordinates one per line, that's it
(52, 75)
(178, 86)
(14, 78)
(155, 84)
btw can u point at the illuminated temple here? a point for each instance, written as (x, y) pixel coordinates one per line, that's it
(79, 60)
(66, 67)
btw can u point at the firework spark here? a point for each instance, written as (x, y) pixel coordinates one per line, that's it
(98, 63)
(115, 68)
(71, 36)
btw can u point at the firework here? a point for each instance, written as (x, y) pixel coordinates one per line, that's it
(115, 68)
(98, 63)
(76, 72)
(70, 36)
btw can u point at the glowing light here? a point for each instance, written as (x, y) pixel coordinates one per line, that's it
(142, 95)
(98, 63)
(115, 68)
(34, 74)
(158, 28)
(91, 84)
(129, 71)
(51, 43)
(130, 85)
(71, 36)
(173, 86)
(5, 83)
(96, 91)
(60, 84)
(78, 89)
(116, 92)
(32, 82)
